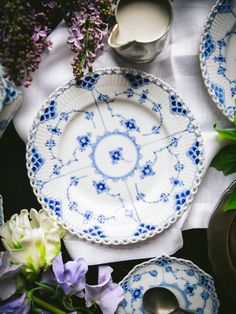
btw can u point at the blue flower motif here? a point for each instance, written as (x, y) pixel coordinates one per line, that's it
(233, 91)
(143, 228)
(54, 130)
(123, 304)
(164, 197)
(129, 93)
(153, 273)
(168, 269)
(64, 116)
(174, 141)
(176, 181)
(205, 295)
(73, 206)
(130, 124)
(189, 289)
(137, 293)
(219, 59)
(156, 107)
(190, 272)
(101, 219)
(221, 43)
(221, 71)
(179, 166)
(140, 196)
(74, 181)
(146, 170)
(50, 144)
(56, 169)
(137, 80)
(194, 152)
(101, 186)
(54, 204)
(36, 160)
(84, 141)
(49, 112)
(116, 155)
(200, 310)
(95, 231)
(181, 199)
(137, 277)
(105, 98)
(88, 215)
(209, 45)
(156, 129)
(143, 96)
(89, 81)
(89, 115)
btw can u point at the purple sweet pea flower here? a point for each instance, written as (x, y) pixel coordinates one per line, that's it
(17, 306)
(70, 276)
(8, 273)
(106, 294)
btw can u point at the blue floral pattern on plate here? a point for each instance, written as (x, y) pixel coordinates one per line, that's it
(217, 56)
(109, 172)
(193, 288)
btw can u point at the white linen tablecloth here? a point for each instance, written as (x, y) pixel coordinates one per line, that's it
(178, 65)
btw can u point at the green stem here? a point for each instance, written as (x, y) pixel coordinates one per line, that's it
(46, 306)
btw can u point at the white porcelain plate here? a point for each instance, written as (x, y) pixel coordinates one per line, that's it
(117, 157)
(218, 56)
(193, 288)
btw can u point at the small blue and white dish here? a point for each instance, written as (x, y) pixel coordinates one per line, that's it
(217, 56)
(10, 100)
(193, 287)
(117, 157)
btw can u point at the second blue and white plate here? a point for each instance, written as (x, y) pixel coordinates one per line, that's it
(117, 157)
(218, 57)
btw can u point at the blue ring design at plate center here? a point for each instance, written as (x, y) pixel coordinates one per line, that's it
(107, 148)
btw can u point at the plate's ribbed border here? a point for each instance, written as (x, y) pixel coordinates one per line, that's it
(115, 241)
(203, 61)
(180, 261)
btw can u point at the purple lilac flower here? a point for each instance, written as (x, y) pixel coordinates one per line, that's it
(8, 275)
(70, 276)
(106, 294)
(39, 31)
(18, 306)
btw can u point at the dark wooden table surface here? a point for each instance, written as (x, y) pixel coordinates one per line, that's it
(17, 194)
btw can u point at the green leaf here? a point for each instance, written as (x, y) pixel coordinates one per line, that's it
(231, 203)
(235, 117)
(229, 134)
(225, 159)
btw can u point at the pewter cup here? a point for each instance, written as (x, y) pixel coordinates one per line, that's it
(138, 49)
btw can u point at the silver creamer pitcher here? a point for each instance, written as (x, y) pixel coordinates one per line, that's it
(142, 30)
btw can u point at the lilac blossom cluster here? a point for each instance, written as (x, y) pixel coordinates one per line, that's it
(25, 26)
(88, 26)
(23, 32)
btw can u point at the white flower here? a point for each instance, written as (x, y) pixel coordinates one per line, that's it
(33, 239)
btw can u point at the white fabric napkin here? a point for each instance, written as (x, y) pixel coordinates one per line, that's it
(178, 65)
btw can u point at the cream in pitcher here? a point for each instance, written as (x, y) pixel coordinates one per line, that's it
(142, 29)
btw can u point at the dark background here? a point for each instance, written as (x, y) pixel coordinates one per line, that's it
(17, 194)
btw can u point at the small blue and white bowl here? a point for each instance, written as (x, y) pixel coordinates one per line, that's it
(193, 287)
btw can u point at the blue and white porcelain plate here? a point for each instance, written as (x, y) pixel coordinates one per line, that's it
(193, 288)
(117, 157)
(218, 57)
